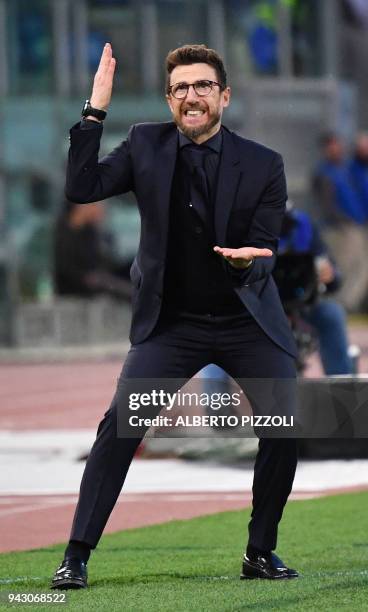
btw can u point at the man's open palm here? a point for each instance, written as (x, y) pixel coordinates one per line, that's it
(104, 78)
(241, 258)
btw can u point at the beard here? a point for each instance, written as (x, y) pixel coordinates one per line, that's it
(195, 132)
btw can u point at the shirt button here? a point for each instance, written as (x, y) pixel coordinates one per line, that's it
(198, 229)
(190, 204)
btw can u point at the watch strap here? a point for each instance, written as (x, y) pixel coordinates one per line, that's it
(93, 112)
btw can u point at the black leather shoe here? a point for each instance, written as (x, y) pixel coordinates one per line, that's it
(71, 574)
(266, 566)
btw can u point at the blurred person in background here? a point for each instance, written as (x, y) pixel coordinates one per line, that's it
(301, 236)
(342, 216)
(358, 168)
(84, 264)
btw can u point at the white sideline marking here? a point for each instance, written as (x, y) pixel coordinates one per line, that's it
(38, 506)
(19, 579)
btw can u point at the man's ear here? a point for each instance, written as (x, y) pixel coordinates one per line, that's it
(226, 96)
(168, 100)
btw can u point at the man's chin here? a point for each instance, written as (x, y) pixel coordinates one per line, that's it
(193, 132)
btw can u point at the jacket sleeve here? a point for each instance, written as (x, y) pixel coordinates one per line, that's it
(89, 179)
(265, 226)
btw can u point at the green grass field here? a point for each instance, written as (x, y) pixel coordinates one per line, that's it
(194, 565)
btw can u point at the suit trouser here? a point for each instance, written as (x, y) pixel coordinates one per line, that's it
(178, 349)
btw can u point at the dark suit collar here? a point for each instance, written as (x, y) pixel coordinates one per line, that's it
(214, 143)
(170, 137)
(229, 141)
(164, 171)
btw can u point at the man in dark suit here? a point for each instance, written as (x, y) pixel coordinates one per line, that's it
(211, 206)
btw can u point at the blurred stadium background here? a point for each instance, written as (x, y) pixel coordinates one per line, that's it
(297, 67)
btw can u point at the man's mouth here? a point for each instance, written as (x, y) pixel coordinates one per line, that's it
(194, 113)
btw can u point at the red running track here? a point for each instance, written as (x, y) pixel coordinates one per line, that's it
(74, 396)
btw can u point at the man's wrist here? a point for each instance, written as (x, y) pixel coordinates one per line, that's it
(91, 118)
(89, 110)
(241, 267)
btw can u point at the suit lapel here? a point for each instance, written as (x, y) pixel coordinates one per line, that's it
(228, 181)
(165, 166)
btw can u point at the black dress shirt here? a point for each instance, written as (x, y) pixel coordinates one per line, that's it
(212, 156)
(196, 280)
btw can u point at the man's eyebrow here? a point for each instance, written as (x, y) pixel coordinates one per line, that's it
(186, 82)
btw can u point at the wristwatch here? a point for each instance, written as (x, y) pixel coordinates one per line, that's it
(94, 112)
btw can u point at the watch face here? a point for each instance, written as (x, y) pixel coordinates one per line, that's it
(86, 106)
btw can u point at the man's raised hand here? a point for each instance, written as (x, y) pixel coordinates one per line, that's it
(103, 81)
(243, 257)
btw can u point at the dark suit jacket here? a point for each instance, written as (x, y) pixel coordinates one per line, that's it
(249, 209)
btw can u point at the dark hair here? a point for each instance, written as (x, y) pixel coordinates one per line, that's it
(195, 54)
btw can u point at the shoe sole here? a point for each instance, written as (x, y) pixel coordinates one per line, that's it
(63, 585)
(279, 577)
(245, 577)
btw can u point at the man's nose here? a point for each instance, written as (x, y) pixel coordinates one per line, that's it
(191, 95)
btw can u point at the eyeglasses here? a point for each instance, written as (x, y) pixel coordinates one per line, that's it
(202, 88)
